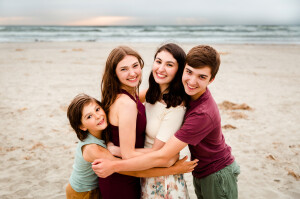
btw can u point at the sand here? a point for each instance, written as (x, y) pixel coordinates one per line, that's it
(257, 90)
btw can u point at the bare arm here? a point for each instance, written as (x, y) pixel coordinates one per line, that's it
(181, 166)
(160, 158)
(142, 95)
(127, 114)
(115, 150)
(170, 123)
(93, 151)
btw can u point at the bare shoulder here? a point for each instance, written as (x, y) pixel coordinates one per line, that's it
(90, 152)
(125, 101)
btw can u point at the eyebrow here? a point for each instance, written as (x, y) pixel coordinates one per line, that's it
(167, 61)
(131, 64)
(199, 74)
(203, 75)
(86, 115)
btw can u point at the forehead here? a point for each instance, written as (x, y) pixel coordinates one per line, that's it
(89, 105)
(128, 60)
(165, 55)
(200, 71)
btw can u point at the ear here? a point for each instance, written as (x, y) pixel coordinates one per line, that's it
(82, 127)
(211, 81)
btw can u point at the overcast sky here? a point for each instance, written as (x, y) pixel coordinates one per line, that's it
(148, 12)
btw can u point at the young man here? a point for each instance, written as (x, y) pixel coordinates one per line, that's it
(215, 176)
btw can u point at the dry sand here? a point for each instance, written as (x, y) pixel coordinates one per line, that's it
(257, 89)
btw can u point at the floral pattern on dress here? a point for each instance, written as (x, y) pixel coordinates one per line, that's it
(169, 187)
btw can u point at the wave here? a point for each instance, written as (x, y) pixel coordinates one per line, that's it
(211, 34)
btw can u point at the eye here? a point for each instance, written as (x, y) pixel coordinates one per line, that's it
(89, 116)
(136, 65)
(188, 71)
(158, 61)
(97, 109)
(123, 69)
(202, 77)
(170, 65)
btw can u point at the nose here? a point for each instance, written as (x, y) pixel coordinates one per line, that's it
(131, 72)
(98, 115)
(192, 80)
(161, 67)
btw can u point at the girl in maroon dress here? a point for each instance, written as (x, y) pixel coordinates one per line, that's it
(126, 115)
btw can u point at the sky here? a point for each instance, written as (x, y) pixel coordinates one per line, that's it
(149, 12)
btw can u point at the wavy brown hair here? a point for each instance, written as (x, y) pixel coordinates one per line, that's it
(74, 114)
(176, 94)
(110, 84)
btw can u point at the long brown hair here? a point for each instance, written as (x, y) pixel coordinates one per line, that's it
(110, 84)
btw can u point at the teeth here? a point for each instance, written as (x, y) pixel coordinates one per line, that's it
(101, 121)
(159, 75)
(191, 87)
(132, 79)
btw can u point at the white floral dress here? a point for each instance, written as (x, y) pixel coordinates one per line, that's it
(162, 123)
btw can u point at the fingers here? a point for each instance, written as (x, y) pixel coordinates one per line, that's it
(97, 161)
(185, 158)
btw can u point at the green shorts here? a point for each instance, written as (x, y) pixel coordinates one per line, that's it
(221, 184)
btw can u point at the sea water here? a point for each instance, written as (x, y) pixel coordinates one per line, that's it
(243, 34)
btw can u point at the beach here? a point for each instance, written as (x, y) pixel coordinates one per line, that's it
(257, 90)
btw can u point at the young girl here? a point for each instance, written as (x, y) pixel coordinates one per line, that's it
(89, 122)
(126, 116)
(165, 110)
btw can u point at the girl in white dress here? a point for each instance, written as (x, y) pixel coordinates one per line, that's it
(165, 100)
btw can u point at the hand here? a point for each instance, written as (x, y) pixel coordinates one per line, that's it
(173, 160)
(183, 166)
(103, 167)
(114, 149)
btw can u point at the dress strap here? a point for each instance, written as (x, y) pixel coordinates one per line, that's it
(126, 93)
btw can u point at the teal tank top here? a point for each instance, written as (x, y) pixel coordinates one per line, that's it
(83, 177)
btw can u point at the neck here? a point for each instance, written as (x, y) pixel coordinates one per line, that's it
(163, 88)
(198, 95)
(97, 134)
(131, 90)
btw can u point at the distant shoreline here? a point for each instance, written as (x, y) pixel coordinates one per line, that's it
(214, 34)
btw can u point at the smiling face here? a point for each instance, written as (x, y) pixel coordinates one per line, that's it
(164, 69)
(93, 119)
(195, 80)
(129, 72)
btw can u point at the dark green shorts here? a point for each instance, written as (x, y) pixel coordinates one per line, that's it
(221, 184)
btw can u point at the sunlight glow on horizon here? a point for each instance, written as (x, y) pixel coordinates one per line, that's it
(102, 21)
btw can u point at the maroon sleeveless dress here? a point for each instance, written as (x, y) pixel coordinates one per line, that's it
(117, 186)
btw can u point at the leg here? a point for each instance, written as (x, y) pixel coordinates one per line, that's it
(221, 184)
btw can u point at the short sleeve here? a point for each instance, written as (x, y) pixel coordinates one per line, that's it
(195, 128)
(171, 122)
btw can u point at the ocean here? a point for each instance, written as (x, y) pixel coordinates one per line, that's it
(222, 34)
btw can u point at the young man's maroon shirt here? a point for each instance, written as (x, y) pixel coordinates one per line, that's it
(202, 131)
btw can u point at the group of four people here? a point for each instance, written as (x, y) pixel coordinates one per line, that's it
(175, 111)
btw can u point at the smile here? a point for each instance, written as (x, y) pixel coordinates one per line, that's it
(132, 79)
(101, 121)
(191, 87)
(160, 75)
